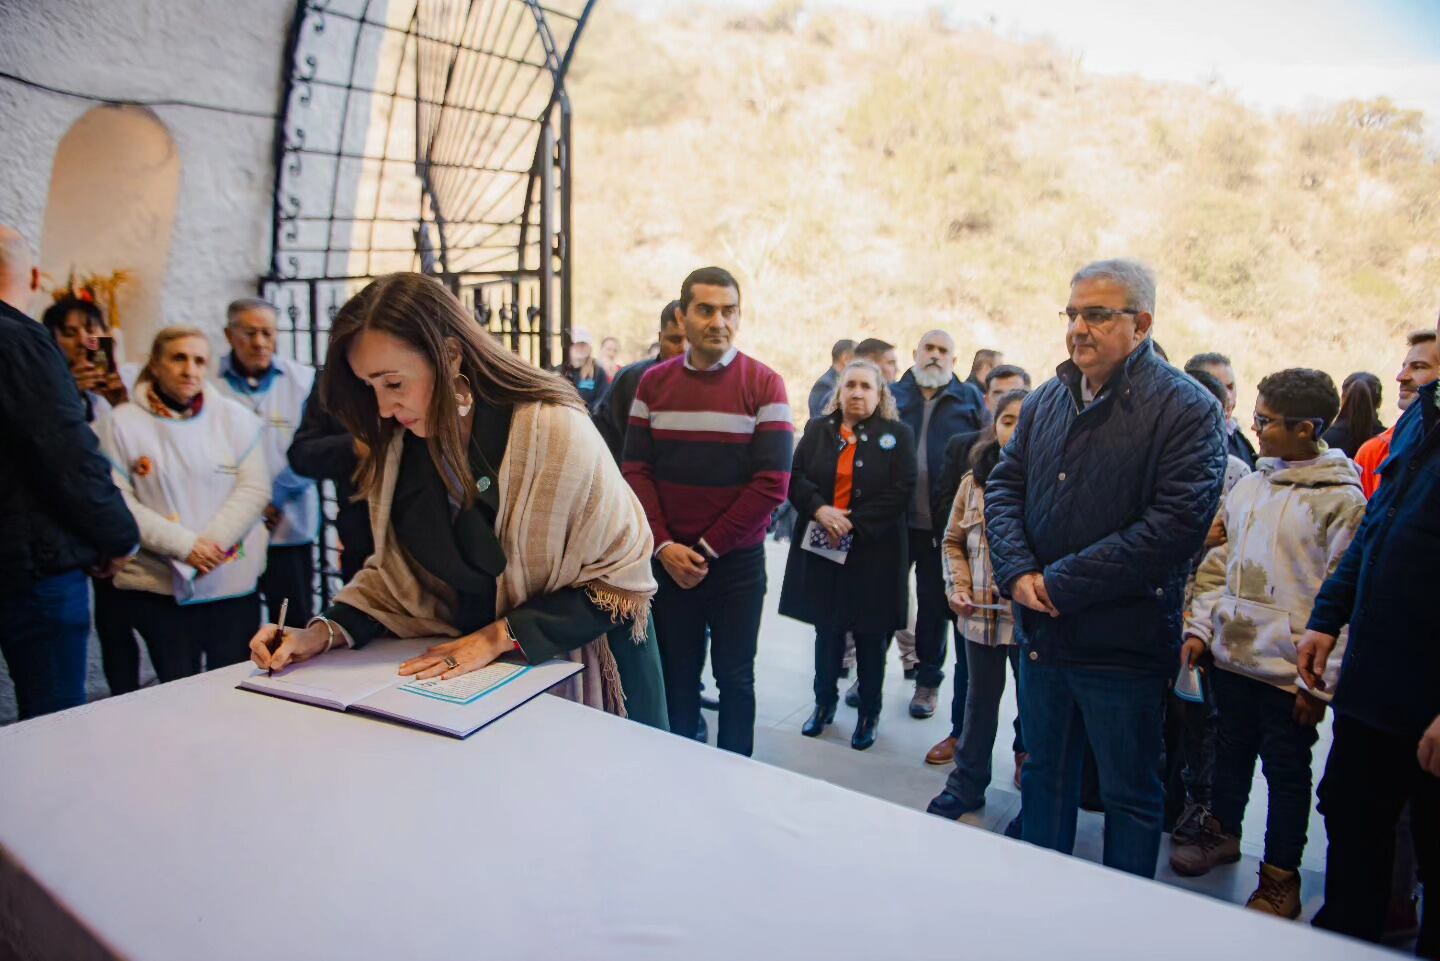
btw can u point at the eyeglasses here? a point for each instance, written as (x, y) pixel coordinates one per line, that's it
(254, 333)
(1093, 316)
(1262, 422)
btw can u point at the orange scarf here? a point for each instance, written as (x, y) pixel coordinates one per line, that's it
(845, 470)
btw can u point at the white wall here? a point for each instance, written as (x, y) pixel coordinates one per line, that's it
(114, 186)
(214, 51)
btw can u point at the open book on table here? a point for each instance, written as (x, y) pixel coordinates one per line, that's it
(365, 681)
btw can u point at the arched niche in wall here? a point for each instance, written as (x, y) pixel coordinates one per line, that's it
(113, 190)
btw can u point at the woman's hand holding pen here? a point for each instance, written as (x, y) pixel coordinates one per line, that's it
(296, 646)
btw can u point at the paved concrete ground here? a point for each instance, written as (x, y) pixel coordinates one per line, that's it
(894, 768)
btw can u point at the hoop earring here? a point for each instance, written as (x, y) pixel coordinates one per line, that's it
(465, 403)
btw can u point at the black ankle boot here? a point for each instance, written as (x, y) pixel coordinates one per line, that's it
(865, 729)
(818, 719)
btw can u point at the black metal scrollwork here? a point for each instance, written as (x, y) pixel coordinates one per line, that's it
(304, 78)
(319, 8)
(414, 142)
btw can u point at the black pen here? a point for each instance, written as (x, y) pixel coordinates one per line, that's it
(279, 633)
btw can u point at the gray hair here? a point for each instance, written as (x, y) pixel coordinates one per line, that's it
(937, 332)
(886, 408)
(1137, 279)
(246, 304)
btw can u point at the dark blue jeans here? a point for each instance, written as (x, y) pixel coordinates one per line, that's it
(46, 630)
(1121, 715)
(1257, 720)
(985, 675)
(729, 602)
(962, 686)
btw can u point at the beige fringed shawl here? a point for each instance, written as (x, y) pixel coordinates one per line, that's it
(566, 519)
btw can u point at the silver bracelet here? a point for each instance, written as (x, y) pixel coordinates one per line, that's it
(329, 632)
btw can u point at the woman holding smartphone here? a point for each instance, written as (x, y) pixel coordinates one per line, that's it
(80, 332)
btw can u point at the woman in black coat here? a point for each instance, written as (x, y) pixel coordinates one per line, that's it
(851, 482)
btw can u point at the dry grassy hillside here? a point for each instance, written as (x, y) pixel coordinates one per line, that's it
(867, 177)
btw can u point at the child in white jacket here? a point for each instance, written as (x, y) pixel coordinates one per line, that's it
(1288, 525)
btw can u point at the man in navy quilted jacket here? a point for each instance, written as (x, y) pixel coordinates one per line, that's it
(1094, 512)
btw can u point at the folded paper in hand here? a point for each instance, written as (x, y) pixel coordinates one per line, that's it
(817, 541)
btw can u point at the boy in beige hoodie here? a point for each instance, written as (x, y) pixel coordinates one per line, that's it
(1288, 525)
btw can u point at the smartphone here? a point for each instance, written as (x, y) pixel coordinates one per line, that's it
(103, 356)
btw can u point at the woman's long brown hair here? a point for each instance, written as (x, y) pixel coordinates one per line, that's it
(423, 314)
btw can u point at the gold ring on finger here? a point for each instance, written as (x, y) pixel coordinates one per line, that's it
(451, 663)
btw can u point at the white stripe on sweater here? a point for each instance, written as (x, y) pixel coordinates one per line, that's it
(773, 413)
(703, 420)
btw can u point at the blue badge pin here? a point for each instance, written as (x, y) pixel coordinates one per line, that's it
(482, 485)
(887, 441)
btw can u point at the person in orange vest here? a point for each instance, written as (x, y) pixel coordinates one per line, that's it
(1421, 366)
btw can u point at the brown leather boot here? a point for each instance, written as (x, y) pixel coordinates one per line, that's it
(1211, 847)
(941, 753)
(1278, 893)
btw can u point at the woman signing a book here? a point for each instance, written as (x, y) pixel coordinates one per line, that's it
(853, 474)
(500, 519)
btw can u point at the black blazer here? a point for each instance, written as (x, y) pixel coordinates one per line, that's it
(957, 465)
(59, 509)
(868, 593)
(612, 414)
(323, 449)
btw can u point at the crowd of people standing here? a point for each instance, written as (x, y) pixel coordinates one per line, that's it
(1173, 601)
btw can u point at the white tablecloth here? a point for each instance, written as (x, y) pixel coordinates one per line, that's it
(198, 822)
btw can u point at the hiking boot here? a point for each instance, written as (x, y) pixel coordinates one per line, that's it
(942, 753)
(1188, 826)
(1211, 847)
(922, 705)
(1278, 893)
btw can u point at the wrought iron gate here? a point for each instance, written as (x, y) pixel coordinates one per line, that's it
(426, 135)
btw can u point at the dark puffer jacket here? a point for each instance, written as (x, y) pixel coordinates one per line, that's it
(59, 510)
(1390, 679)
(1110, 502)
(959, 409)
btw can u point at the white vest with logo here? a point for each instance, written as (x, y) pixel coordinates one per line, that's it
(186, 470)
(280, 406)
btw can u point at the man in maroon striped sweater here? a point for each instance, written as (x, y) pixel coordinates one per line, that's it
(708, 454)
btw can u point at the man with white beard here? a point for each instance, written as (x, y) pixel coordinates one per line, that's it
(936, 405)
